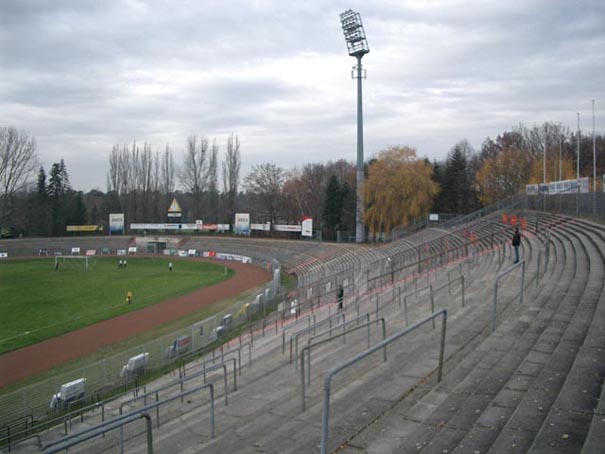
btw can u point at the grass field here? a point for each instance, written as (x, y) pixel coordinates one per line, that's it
(38, 302)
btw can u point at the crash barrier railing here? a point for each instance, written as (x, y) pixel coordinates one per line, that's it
(329, 331)
(546, 244)
(115, 422)
(181, 384)
(325, 420)
(313, 328)
(26, 420)
(64, 419)
(202, 353)
(232, 350)
(426, 254)
(432, 290)
(500, 276)
(294, 324)
(100, 430)
(308, 348)
(355, 320)
(206, 369)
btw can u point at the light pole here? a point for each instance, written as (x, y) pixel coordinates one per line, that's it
(578, 151)
(357, 45)
(594, 154)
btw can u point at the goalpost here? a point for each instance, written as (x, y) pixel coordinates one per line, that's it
(72, 261)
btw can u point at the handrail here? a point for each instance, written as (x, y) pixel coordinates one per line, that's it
(501, 275)
(214, 367)
(178, 382)
(60, 419)
(294, 336)
(296, 322)
(343, 325)
(333, 371)
(329, 332)
(308, 349)
(232, 350)
(153, 405)
(102, 429)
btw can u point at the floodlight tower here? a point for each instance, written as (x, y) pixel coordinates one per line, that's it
(357, 45)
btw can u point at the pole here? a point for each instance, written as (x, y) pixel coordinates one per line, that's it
(544, 155)
(359, 233)
(560, 158)
(594, 153)
(578, 150)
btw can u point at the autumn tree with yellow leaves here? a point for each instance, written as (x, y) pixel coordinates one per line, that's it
(398, 189)
(503, 175)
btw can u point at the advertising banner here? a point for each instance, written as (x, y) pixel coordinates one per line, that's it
(84, 228)
(307, 226)
(116, 223)
(287, 228)
(266, 227)
(242, 224)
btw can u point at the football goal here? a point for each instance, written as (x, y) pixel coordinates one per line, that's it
(73, 262)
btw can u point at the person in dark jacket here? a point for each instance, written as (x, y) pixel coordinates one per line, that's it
(516, 243)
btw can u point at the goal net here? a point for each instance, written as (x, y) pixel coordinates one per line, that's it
(73, 262)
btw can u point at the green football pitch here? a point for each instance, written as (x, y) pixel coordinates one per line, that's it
(38, 302)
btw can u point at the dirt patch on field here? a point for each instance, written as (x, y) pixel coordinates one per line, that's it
(28, 361)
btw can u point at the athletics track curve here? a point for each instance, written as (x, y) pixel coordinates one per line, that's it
(33, 359)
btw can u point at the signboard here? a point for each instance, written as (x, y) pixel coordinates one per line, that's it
(132, 250)
(199, 224)
(116, 223)
(163, 227)
(307, 226)
(215, 227)
(3, 255)
(287, 228)
(174, 210)
(433, 217)
(75, 251)
(90, 252)
(266, 227)
(84, 228)
(242, 224)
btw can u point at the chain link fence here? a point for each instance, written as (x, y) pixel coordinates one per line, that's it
(113, 373)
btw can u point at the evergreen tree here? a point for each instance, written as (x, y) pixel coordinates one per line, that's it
(41, 189)
(332, 214)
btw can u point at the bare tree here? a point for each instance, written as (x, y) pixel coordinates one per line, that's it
(213, 181)
(194, 174)
(306, 187)
(168, 171)
(18, 161)
(231, 169)
(266, 182)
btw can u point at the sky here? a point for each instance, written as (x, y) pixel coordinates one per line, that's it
(84, 75)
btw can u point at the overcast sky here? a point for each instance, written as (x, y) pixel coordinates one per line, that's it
(81, 76)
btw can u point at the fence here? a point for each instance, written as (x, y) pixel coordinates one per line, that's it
(106, 375)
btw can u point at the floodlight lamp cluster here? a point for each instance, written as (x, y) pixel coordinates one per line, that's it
(355, 36)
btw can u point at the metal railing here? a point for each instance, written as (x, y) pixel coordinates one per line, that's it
(325, 421)
(500, 276)
(65, 442)
(308, 348)
(326, 321)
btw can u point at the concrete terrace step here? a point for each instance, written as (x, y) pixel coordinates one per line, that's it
(424, 425)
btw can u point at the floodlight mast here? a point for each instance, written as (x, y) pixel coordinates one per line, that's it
(357, 45)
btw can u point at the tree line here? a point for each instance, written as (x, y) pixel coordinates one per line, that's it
(205, 178)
